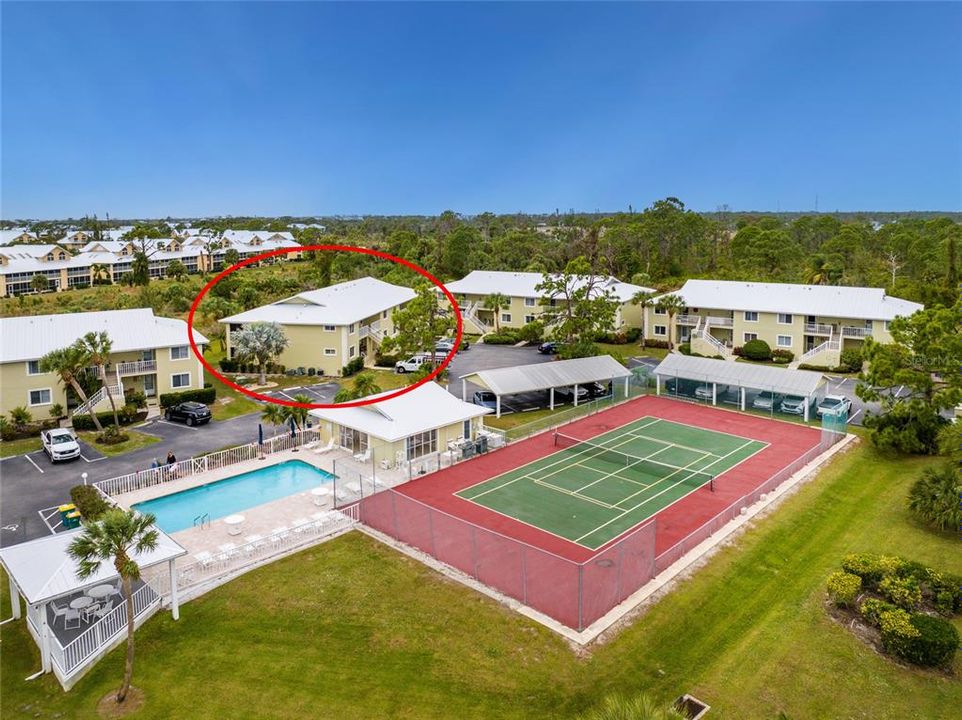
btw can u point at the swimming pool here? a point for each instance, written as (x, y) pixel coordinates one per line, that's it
(232, 495)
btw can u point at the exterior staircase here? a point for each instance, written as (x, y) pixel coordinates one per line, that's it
(470, 315)
(827, 354)
(704, 343)
(100, 398)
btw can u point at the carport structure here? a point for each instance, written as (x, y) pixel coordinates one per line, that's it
(711, 375)
(547, 376)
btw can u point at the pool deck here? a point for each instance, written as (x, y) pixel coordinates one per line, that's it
(261, 519)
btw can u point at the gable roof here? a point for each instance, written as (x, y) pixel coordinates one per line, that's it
(427, 407)
(524, 284)
(543, 376)
(33, 336)
(758, 377)
(827, 300)
(340, 304)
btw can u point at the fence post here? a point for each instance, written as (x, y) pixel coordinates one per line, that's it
(581, 597)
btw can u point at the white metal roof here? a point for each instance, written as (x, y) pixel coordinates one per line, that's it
(340, 304)
(33, 336)
(426, 407)
(524, 284)
(827, 300)
(758, 377)
(8, 236)
(542, 376)
(43, 570)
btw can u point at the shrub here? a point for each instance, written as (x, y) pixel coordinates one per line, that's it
(85, 422)
(56, 411)
(865, 565)
(228, 365)
(612, 338)
(950, 585)
(90, 503)
(685, 348)
(135, 398)
(632, 335)
(872, 608)
(843, 588)
(355, 366)
(934, 497)
(206, 396)
(660, 344)
(903, 591)
(932, 645)
(112, 435)
(850, 360)
(897, 630)
(757, 350)
(782, 356)
(532, 332)
(503, 338)
(20, 417)
(738, 351)
(945, 603)
(386, 360)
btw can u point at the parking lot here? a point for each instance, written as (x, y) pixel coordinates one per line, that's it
(318, 392)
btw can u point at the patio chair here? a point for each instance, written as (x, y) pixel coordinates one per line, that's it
(325, 448)
(59, 611)
(204, 558)
(254, 543)
(71, 615)
(299, 525)
(279, 533)
(364, 456)
(103, 609)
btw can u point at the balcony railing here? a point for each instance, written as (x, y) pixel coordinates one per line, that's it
(136, 367)
(817, 329)
(856, 332)
(688, 319)
(725, 322)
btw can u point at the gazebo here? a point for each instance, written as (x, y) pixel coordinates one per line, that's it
(76, 622)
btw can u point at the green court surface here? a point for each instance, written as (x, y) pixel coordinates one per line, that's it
(591, 493)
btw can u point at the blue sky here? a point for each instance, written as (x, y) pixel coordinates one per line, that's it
(154, 109)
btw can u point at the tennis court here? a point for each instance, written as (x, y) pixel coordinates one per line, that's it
(590, 492)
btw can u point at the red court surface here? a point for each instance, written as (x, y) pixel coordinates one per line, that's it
(787, 443)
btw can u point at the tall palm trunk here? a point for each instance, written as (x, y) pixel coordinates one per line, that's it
(671, 331)
(83, 398)
(129, 661)
(644, 325)
(263, 373)
(110, 395)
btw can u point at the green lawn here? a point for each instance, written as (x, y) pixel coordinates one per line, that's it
(351, 629)
(137, 440)
(9, 448)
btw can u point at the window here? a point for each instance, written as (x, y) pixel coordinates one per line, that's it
(784, 319)
(422, 444)
(180, 352)
(330, 351)
(660, 311)
(529, 318)
(350, 328)
(751, 316)
(784, 341)
(351, 350)
(887, 325)
(530, 302)
(180, 380)
(748, 337)
(40, 397)
(661, 330)
(33, 367)
(466, 430)
(329, 328)
(384, 315)
(505, 317)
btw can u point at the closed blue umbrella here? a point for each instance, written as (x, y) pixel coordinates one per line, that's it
(293, 428)
(260, 434)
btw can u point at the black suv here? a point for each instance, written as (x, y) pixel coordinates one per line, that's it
(548, 348)
(192, 413)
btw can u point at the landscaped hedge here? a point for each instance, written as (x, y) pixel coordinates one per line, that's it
(231, 366)
(10, 432)
(90, 503)
(507, 336)
(353, 367)
(661, 344)
(899, 601)
(782, 356)
(757, 350)
(127, 415)
(206, 396)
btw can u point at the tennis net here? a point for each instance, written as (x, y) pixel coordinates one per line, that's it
(689, 476)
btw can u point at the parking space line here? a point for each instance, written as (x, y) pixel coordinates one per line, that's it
(86, 459)
(30, 460)
(854, 415)
(185, 427)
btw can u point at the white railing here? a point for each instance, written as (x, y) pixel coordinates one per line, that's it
(856, 332)
(136, 367)
(704, 332)
(98, 397)
(257, 551)
(470, 313)
(688, 319)
(195, 465)
(374, 331)
(818, 329)
(104, 631)
(827, 346)
(714, 321)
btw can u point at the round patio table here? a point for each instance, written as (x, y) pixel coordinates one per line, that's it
(233, 523)
(81, 602)
(320, 494)
(100, 591)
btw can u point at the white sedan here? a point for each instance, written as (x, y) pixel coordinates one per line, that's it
(835, 405)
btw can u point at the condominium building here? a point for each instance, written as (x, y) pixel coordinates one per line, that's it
(526, 302)
(815, 322)
(329, 327)
(150, 354)
(67, 265)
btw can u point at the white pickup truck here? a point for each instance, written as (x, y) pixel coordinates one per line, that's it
(412, 364)
(60, 444)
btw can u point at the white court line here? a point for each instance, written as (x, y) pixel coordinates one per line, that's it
(618, 472)
(30, 460)
(566, 461)
(648, 500)
(572, 493)
(671, 444)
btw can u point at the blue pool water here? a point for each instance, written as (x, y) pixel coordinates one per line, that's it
(232, 495)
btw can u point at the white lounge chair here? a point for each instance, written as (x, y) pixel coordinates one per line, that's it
(204, 558)
(364, 456)
(104, 608)
(279, 533)
(325, 448)
(299, 525)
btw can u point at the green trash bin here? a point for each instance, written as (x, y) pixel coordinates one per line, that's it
(71, 520)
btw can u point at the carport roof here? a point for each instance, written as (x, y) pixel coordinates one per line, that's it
(528, 378)
(758, 377)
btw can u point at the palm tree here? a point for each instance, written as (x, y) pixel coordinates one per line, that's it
(364, 384)
(671, 304)
(274, 414)
(261, 342)
(39, 283)
(636, 707)
(297, 414)
(98, 346)
(645, 299)
(935, 497)
(99, 271)
(114, 537)
(68, 363)
(496, 301)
